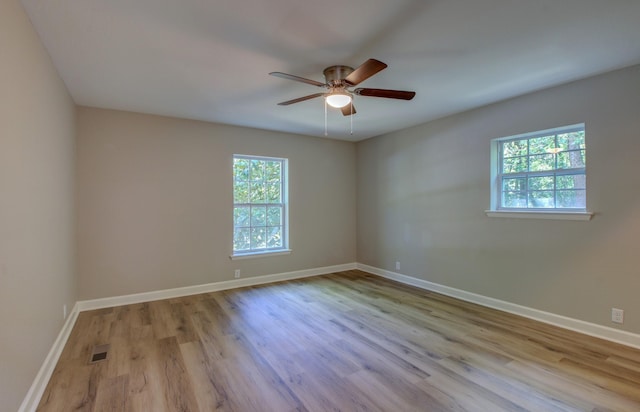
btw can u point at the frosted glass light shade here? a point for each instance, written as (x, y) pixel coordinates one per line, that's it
(338, 99)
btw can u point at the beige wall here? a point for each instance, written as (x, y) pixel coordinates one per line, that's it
(155, 202)
(36, 204)
(422, 193)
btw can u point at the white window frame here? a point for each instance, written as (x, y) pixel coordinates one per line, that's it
(284, 205)
(496, 208)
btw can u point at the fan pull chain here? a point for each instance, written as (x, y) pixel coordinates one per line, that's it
(325, 118)
(351, 118)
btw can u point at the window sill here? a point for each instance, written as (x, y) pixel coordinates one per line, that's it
(555, 215)
(253, 255)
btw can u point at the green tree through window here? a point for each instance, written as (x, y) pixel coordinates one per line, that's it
(259, 204)
(545, 170)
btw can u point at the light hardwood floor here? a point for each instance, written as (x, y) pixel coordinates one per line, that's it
(343, 342)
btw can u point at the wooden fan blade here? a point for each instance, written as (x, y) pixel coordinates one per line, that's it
(389, 94)
(300, 99)
(297, 78)
(364, 71)
(348, 110)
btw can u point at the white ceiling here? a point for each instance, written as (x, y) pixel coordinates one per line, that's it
(209, 60)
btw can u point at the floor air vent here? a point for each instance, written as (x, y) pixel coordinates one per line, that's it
(99, 353)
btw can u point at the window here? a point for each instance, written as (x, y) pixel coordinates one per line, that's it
(259, 205)
(541, 171)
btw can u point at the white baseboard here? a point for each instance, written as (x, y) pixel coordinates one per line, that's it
(84, 305)
(587, 328)
(32, 399)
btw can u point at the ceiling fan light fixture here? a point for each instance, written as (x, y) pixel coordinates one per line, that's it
(338, 99)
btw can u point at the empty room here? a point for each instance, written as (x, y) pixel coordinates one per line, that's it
(319, 206)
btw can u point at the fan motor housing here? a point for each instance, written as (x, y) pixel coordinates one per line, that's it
(335, 75)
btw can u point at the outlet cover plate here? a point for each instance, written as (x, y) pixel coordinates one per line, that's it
(617, 315)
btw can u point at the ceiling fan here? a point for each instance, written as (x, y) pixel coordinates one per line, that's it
(339, 80)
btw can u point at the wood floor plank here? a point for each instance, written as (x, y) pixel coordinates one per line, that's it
(572, 390)
(323, 390)
(393, 395)
(347, 341)
(207, 388)
(111, 394)
(145, 381)
(176, 383)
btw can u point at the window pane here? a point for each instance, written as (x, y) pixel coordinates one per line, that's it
(514, 165)
(257, 170)
(258, 238)
(514, 199)
(571, 182)
(274, 216)
(571, 198)
(257, 193)
(541, 199)
(540, 163)
(241, 239)
(514, 184)
(273, 171)
(541, 145)
(514, 148)
(563, 160)
(571, 159)
(241, 170)
(273, 193)
(571, 141)
(241, 216)
(258, 216)
(241, 192)
(274, 237)
(541, 183)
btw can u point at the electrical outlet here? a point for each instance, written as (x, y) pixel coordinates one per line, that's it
(236, 274)
(397, 265)
(617, 315)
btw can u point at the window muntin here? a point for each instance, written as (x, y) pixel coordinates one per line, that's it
(542, 171)
(259, 204)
